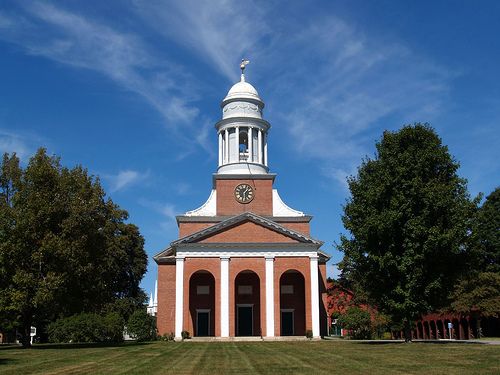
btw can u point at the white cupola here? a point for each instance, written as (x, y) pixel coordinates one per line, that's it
(242, 130)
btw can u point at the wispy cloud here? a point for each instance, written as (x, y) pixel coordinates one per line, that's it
(24, 145)
(125, 179)
(167, 210)
(76, 40)
(219, 31)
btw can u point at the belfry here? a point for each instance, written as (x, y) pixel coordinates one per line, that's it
(244, 263)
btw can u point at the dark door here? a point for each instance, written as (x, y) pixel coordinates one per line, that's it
(245, 316)
(202, 325)
(286, 323)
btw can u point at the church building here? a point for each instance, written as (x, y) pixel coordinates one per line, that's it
(244, 263)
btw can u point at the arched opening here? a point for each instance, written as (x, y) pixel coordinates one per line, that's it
(202, 303)
(426, 330)
(247, 304)
(465, 329)
(433, 330)
(243, 146)
(440, 329)
(292, 304)
(456, 329)
(420, 331)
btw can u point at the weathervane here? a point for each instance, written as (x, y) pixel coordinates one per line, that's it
(243, 64)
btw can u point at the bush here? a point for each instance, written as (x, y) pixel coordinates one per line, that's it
(142, 326)
(309, 334)
(167, 337)
(87, 327)
(357, 322)
(185, 335)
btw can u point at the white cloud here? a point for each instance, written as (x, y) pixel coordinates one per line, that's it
(23, 144)
(125, 179)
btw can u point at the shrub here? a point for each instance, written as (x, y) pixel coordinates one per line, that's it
(167, 337)
(185, 335)
(87, 327)
(142, 326)
(309, 334)
(357, 322)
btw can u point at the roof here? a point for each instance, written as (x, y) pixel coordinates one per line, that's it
(232, 221)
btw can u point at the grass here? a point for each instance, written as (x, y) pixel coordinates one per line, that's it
(307, 357)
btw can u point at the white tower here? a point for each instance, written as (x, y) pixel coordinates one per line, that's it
(242, 131)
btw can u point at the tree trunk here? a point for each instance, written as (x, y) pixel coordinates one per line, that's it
(407, 330)
(26, 332)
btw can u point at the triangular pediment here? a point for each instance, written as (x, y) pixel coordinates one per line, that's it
(247, 228)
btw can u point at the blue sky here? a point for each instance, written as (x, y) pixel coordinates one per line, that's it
(131, 90)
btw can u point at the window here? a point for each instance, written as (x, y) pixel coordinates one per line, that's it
(287, 289)
(202, 289)
(244, 289)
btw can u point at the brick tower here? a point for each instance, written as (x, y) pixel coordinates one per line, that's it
(244, 263)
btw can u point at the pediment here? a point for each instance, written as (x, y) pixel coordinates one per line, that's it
(247, 228)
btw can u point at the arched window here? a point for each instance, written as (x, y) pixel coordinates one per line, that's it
(243, 142)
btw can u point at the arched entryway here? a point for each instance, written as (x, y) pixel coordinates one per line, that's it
(420, 331)
(202, 303)
(441, 334)
(432, 325)
(247, 304)
(292, 304)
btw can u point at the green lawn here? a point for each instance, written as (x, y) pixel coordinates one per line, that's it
(309, 357)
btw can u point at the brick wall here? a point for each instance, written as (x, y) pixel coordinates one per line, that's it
(166, 299)
(249, 232)
(262, 204)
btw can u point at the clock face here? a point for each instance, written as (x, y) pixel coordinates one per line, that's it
(243, 193)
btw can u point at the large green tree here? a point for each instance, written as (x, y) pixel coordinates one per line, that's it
(64, 247)
(409, 221)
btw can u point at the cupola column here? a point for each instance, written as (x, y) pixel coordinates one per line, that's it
(250, 145)
(237, 144)
(259, 142)
(265, 150)
(226, 146)
(220, 149)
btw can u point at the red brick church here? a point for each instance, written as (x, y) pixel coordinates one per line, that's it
(244, 263)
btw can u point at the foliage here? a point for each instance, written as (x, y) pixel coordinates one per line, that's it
(357, 321)
(409, 216)
(309, 334)
(142, 326)
(167, 337)
(185, 335)
(478, 293)
(64, 247)
(87, 327)
(487, 235)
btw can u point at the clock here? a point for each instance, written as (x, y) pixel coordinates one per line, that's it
(243, 193)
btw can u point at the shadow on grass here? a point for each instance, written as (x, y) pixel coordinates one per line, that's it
(76, 345)
(435, 342)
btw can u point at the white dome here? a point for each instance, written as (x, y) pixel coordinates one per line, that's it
(242, 90)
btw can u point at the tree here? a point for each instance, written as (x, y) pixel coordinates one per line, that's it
(64, 247)
(357, 321)
(409, 216)
(487, 235)
(142, 326)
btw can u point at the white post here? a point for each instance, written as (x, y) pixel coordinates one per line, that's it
(237, 144)
(250, 145)
(220, 149)
(315, 296)
(179, 296)
(265, 150)
(224, 296)
(259, 142)
(270, 296)
(226, 146)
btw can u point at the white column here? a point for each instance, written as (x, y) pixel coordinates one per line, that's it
(265, 150)
(315, 296)
(237, 144)
(259, 141)
(250, 145)
(220, 149)
(224, 296)
(179, 296)
(270, 296)
(226, 146)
